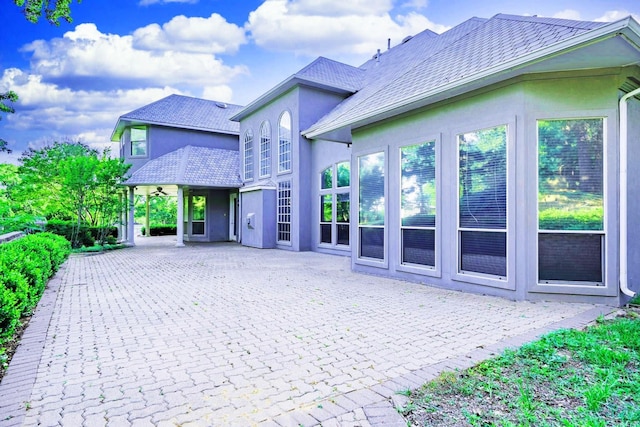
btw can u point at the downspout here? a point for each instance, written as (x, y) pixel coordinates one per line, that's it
(624, 285)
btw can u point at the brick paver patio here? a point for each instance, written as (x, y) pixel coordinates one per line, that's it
(220, 334)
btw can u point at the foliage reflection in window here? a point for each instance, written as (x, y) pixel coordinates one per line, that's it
(138, 142)
(334, 204)
(571, 200)
(483, 201)
(371, 209)
(418, 203)
(198, 208)
(284, 142)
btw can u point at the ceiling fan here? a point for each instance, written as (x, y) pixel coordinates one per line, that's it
(158, 192)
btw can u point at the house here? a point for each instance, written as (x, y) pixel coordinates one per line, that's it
(495, 158)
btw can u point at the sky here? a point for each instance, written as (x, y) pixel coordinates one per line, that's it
(74, 80)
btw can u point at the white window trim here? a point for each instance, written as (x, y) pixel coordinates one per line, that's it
(146, 150)
(289, 144)
(508, 282)
(278, 222)
(609, 285)
(250, 146)
(436, 270)
(265, 154)
(333, 191)
(355, 211)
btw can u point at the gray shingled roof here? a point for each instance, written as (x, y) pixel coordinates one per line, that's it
(322, 72)
(183, 112)
(192, 166)
(426, 63)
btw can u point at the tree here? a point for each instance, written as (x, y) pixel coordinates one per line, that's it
(10, 96)
(71, 181)
(54, 10)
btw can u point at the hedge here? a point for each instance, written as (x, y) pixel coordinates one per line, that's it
(26, 265)
(161, 230)
(86, 236)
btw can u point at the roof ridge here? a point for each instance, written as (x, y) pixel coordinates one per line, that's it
(481, 22)
(543, 20)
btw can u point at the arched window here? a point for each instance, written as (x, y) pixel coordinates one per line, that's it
(248, 155)
(265, 149)
(284, 142)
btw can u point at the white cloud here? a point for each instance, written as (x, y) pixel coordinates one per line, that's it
(567, 14)
(615, 15)
(217, 93)
(200, 35)
(62, 111)
(338, 7)
(86, 52)
(357, 28)
(415, 4)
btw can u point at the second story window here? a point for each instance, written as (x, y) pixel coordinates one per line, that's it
(138, 142)
(265, 149)
(248, 155)
(284, 142)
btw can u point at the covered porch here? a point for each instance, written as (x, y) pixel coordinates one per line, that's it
(204, 183)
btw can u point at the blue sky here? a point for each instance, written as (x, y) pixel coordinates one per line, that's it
(75, 80)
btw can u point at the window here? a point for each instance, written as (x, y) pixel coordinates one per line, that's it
(418, 204)
(138, 142)
(248, 155)
(334, 204)
(482, 202)
(284, 211)
(571, 201)
(371, 209)
(284, 142)
(198, 215)
(265, 149)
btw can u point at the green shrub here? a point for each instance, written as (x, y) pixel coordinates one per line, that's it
(9, 312)
(161, 230)
(69, 229)
(26, 265)
(578, 219)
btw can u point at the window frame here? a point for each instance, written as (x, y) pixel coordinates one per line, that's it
(283, 213)
(435, 270)
(355, 186)
(265, 149)
(333, 192)
(285, 156)
(509, 281)
(247, 155)
(146, 142)
(608, 287)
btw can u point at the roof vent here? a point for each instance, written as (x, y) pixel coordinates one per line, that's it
(406, 39)
(221, 105)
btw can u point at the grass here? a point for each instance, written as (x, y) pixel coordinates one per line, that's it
(567, 378)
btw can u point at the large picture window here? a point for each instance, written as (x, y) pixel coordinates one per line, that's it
(571, 201)
(248, 155)
(284, 211)
(371, 208)
(284, 142)
(482, 202)
(418, 203)
(335, 204)
(265, 149)
(139, 142)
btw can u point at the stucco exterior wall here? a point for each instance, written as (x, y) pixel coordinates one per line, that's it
(306, 105)
(162, 140)
(258, 218)
(518, 104)
(633, 182)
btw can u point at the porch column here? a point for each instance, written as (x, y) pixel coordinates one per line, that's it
(147, 232)
(130, 223)
(180, 224)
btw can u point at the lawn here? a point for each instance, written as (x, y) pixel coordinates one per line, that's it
(567, 378)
